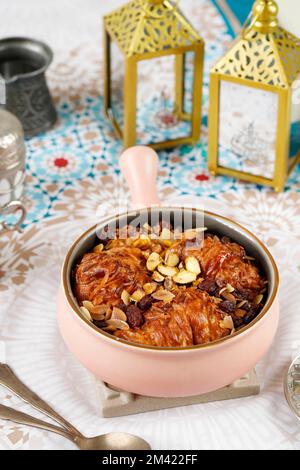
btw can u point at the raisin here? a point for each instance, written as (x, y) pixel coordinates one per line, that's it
(209, 286)
(121, 306)
(135, 317)
(243, 294)
(237, 322)
(227, 306)
(100, 323)
(145, 303)
(252, 313)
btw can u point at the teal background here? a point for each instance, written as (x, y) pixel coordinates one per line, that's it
(240, 8)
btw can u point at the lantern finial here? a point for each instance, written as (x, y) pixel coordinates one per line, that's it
(265, 16)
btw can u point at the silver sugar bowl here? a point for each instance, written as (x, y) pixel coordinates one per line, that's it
(12, 170)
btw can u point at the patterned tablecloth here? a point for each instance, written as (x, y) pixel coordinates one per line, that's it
(72, 180)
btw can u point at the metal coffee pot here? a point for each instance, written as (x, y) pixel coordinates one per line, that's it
(23, 63)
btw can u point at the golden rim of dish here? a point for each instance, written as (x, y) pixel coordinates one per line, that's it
(75, 307)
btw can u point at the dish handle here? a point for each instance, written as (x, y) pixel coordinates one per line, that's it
(139, 167)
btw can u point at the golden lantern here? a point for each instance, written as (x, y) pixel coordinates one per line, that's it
(152, 29)
(254, 116)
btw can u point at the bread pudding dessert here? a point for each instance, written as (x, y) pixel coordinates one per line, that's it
(160, 289)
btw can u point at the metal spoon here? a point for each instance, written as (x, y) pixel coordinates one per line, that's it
(292, 386)
(111, 441)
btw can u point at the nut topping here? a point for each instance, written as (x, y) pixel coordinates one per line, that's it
(118, 324)
(150, 287)
(164, 295)
(167, 270)
(86, 313)
(118, 314)
(192, 265)
(184, 277)
(227, 323)
(153, 261)
(125, 296)
(137, 295)
(157, 277)
(171, 259)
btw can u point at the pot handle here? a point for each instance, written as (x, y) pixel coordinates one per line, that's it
(139, 167)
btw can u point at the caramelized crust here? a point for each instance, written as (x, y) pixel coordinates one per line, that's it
(225, 262)
(191, 318)
(196, 313)
(101, 277)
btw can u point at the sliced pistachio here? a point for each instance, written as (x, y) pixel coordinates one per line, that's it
(171, 259)
(227, 323)
(118, 314)
(150, 287)
(167, 270)
(240, 304)
(184, 277)
(157, 277)
(118, 324)
(86, 313)
(192, 265)
(258, 299)
(137, 295)
(153, 261)
(98, 248)
(230, 288)
(125, 297)
(164, 295)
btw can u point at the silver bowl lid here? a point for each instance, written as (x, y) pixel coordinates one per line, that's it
(12, 147)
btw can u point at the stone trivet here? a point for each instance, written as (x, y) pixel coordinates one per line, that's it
(115, 402)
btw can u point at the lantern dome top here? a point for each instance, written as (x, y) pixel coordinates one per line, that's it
(143, 27)
(270, 58)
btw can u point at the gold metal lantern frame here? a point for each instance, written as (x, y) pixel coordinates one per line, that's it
(265, 57)
(147, 29)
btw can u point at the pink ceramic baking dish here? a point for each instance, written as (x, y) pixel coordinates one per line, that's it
(166, 372)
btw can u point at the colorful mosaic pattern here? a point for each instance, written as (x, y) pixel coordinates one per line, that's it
(82, 146)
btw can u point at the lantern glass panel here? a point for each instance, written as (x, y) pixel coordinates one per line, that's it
(117, 84)
(295, 122)
(160, 116)
(248, 122)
